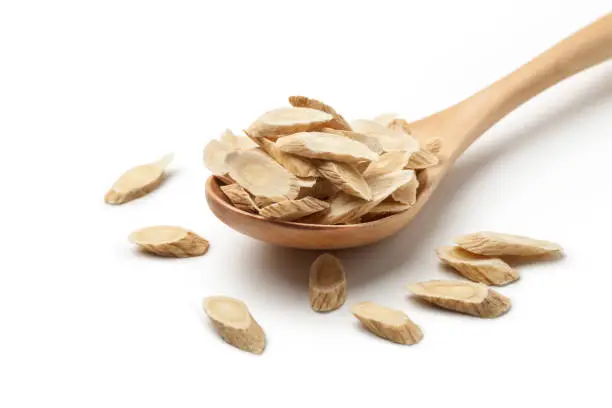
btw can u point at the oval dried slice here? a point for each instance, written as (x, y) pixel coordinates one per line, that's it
(239, 197)
(290, 210)
(327, 284)
(326, 146)
(434, 145)
(386, 208)
(478, 268)
(138, 181)
(387, 163)
(234, 323)
(387, 323)
(304, 102)
(386, 118)
(262, 176)
(390, 139)
(422, 160)
(286, 121)
(407, 193)
(470, 298)
(215, 153)
(347, 178)
(297, 165)
(233, 142)
(169, 241)
(372, 142)
(497, 244)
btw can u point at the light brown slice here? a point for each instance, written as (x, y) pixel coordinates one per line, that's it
(169, 241)
(347, 178)
(387, 163)
(327, 284)
(286, 121)
(297, 165)
(400, 125)
(470, 298)
(240, 197)
(262, 202)
(326, 146)
(370, 141)
(225, 179)
(323, 189)
(304, 102)
(262, 176)
(386, 118)
(497, 244)
(138, 181)
(478, 268)
(387, 323)
(433, 145)
(233, 142)
(390, 139)
(407, 193)
(422, 160)
(215, 153)
(234, 323)
(290, 210)
(388, 208)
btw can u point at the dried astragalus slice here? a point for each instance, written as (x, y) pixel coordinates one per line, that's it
(386, 118)
(371, 141)
(286, 121)
(390, 324)
(497, 244)
(347, 178)
(422, 160)
(304, 102)
(470, 298)
(169, 241)
(225, 179)
(215, 153)
(290, 210)
(390, 139)
(234, 323)
(138, 181)
(323, 189)
(387, 163)
(407, 193)
(343, 207)
(388, 208)
(262, 202)
(326, 146)
(297, 165)
(229, 139)
(433, 145)
(261, 176)
(239, 197)
(327, 284)
(478, 268)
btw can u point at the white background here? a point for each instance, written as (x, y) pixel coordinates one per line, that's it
(89, 89)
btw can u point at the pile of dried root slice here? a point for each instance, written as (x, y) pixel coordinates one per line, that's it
(307, 164)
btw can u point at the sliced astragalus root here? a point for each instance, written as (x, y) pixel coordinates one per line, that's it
(343, 207)
(169, 241)
(215, 153)
(387, 163)
(233, 142)
(386, 118)
(470, 298)
(297, 165)
(326, 146)
(387, 323)
(327, 284)
(261, 175)
(262, 202)
(304, 102)
(370, 141)
(234, 323)
(388, 208)
(422, 160)
(478, 268)
(390, 139)
(225, 179)
(497, 244)
(346, 178)
(323, 189)
(290, 210)
(286, 121)
(407, 194)
(138, 181)
(433, 145)
(239, 197)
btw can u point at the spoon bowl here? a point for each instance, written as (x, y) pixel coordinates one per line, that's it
(458, 127)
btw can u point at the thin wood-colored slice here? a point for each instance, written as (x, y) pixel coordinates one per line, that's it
(240, 197)
(390, 324)
(372, 142)
(407, 193)
(287, 121)
(327, 284)
(470, 298)
(304, 102)
(390, 139)
(290, 210)
(400, 125)
(387, 163)
(497, 244)
(388, 208)
(386, 118)
(215, 154)
(233, 142)
(297, 165)
(261, 176)
(326, 146)
(262, 202)
(169, 241)
(422, 160)
(235, 324)
(138, 181)
(433, 145)
(478, 268)
(347, 178)
(323, 189)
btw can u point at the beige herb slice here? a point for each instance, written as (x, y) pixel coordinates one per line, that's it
(239, 197)
(327, 284)
(169, 241)
(290, 210)
(347, 178)
(304, 102)
(498, 244)
(287, 121)
(326, 146)
(297, 165)
(478, 268)
(390, 324)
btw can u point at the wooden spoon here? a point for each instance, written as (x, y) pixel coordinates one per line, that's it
(458, 127)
